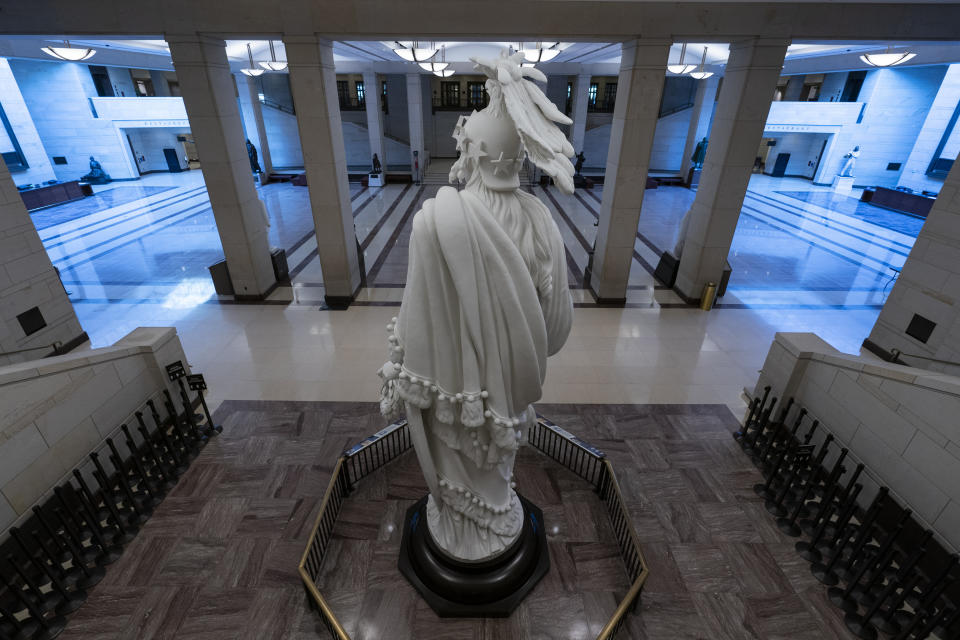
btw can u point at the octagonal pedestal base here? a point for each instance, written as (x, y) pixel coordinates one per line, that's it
(473, 589)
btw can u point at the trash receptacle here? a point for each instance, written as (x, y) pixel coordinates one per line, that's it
(220, 275)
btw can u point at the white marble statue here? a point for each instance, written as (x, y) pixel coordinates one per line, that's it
(849, 159)
(486, 301)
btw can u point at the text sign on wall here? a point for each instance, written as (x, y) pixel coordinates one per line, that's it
(802, 128)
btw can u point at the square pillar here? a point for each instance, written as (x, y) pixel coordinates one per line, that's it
(248, 94)
(313, 83)
(211, 104)
(374, 117)
(29, 285)
(640, 85)
(161, 88)
(928, 287)
(700, 119)
(748, 84)
(580, 95)
(415, 116)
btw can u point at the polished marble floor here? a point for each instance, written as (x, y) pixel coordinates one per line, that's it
(218, 558)
(656, 350)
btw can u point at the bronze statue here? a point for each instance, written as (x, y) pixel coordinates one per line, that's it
(254, 157)
(97, 175)
(376, 164)
(699, 154)
(579, 164)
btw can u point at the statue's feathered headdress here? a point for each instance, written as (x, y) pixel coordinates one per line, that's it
(532, 113)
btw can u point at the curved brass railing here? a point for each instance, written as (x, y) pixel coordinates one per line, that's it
(367, 456)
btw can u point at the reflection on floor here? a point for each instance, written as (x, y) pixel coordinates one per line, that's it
(218, 557)
(797, 266)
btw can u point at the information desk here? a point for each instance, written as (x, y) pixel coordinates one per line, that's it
(54, 194)
(902, 201)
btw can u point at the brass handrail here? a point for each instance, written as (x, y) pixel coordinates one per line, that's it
(616, 621)
(598, 472)
(308, 581)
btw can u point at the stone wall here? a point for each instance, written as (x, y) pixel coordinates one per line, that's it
(57, 410)
(40, 169)
(899, 421)
(57, 95)
(804, 150)
(914, 173)
(897, 102)
(283, 136)
(28, 280)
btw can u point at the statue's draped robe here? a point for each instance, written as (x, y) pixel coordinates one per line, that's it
(470, 348)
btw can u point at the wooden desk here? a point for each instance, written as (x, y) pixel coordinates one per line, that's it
(901, 201)
(51, 194)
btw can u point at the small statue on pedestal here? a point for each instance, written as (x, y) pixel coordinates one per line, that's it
(578, 167)
(376, 165)
(699, 154)
(97, 175)
(850, 159)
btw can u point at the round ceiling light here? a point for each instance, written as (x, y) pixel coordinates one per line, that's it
(68, 53)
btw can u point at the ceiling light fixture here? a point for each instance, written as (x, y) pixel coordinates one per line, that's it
(440, 67)
(700, 74)
(252, 70)
(887, 59)
(68, 53)
(541, 52)
(273, 64)
(414, 52)
(681, 68)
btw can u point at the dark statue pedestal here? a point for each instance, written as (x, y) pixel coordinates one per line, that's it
(582, 182)
(456, 589)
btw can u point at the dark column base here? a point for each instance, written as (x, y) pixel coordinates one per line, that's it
(471, 590)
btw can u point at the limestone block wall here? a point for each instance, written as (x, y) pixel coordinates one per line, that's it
(55, 411)
(897, 102)
(928, 286)
(283, 136)
(58, 97)
(914, 173)
(28, 280)
(40, 169)
(901, 422)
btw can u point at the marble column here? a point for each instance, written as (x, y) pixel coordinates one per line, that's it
(248, 93)
(748, 84)
(929, 287)
(699, 119)
(580, 96)
(161, 88)
(374, 117)
(640, 85)
(208, 96)
(415, 116)
(27, 281)
(313, 83)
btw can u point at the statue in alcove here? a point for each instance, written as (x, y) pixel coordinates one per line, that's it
(578, 167)
(97, 175)
(254, 157)
(849, 160)
(486, 301)
(699, 154)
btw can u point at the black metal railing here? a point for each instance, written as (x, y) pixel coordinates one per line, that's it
(273, 104)
(601, 106)
(461, 104)
(386, 445)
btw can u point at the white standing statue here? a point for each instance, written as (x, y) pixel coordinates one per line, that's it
(849, 159)
(486, 302)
